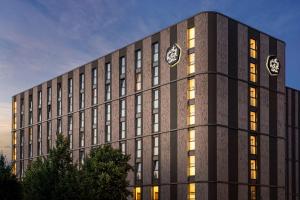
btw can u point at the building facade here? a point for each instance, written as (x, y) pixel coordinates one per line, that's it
(195, 105)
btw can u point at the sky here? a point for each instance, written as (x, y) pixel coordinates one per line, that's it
(42, 39)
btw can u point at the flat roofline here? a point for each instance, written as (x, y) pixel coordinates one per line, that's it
(149, 35)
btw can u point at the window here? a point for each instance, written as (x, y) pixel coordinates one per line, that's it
(49, 136)
(122, 66)
(253, 169)
(40, 99)
(191, 66)
(138, 126)
(253, 48)
(21, 144)
(137, 193)
(138, 59)
(138, 103)
(108, 133)
(123, 147)
(81, 131)
(155, 122)
(107, 122)
(81, 118)
(59, 126)
(155, 169)
(252, 192)
(94, 86)
(191, 191)
(253, 72)
(39, 139)
(59, 100)
(94, 75)
(155, 145)
(81, 80)
(94, 93)
(30, 143)
(123, 129)
(191, 143)
(155, 193)
(138, 148)
(94, 126)
(107, 72)
(39, 115)
(191, 89)
(30, 110)
(191, 115)
(70, 131)
(138, 171)
(22, 113)
(253, 97)
(81, 139)
(191, 166)
(49, 95)
(155, 64)
(253, 121)
(108, 117)
(123, 108)
(191, 37)
(138, 79)
(81, 157)
(155, 99)
(122, 87)
(107, 92)
(70, 96)
(253, 145)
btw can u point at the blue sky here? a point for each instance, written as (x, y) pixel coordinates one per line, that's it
(41, 39)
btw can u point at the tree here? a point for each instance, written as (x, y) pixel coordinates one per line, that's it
(104, 174)
(54, 177)
(10, 187)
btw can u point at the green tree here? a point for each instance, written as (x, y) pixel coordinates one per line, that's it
(104, 174)
(54, 177)
(10, 187)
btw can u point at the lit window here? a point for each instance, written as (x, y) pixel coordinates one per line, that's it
(191, 89)
(253, 145)
(191, 37)
(253, 72)
(253, 121)
(191, 191)
(253, 96)
(253, 48)
(252, 192)
(138, 79)
(191, 115)
(137, 193)
(191, 144)
(191, 66)
(155, 193)
(191, 166)
(253, 169)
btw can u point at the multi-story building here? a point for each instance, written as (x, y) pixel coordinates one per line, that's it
(200, 106)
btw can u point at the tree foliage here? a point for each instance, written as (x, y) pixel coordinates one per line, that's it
(54, 177)
(10, 187)
(104, 174)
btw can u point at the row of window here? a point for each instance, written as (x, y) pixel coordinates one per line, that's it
(253, 118)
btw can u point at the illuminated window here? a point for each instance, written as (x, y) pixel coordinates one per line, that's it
(252, 192)
(253, 97)
(253, 121)
(191, 144)
(191, 89)
(191, 191)
(191, 37)
(253, 48)
(137, 193)
(253, 72)
(253, 145)
(191, 167)
(191, 66)
(253, 169)
(191, 115)
(155, 193)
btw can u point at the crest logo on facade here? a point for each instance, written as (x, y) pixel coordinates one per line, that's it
(273, 65)
(173, 55)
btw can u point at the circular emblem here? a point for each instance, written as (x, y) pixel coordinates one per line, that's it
(173, 55)
(273, 65)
